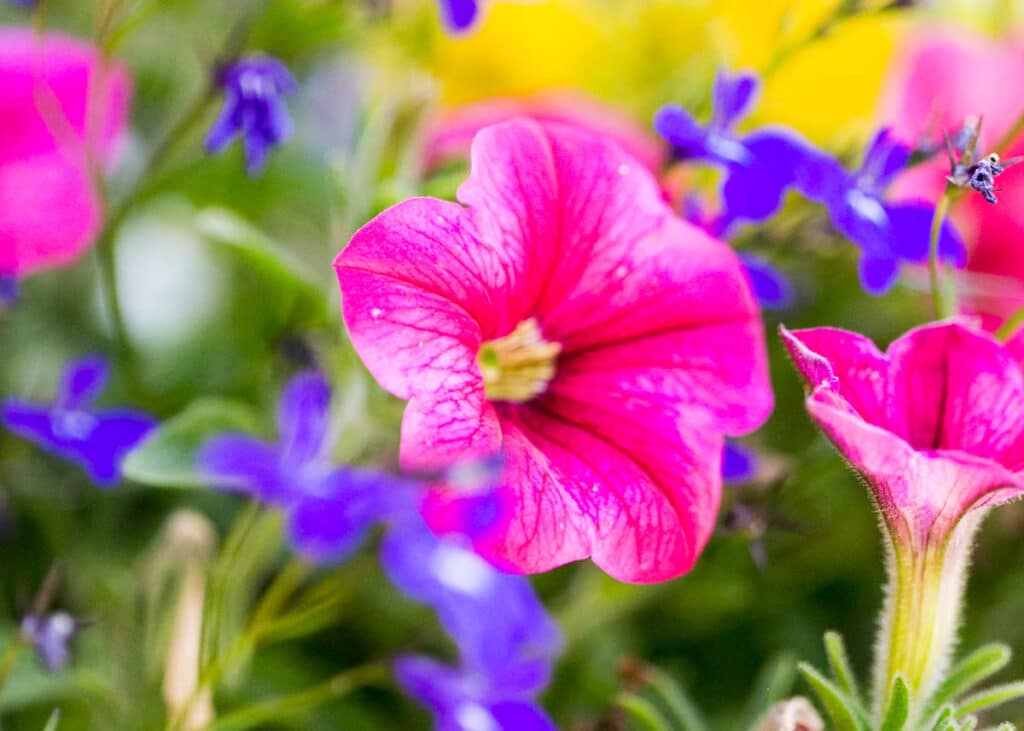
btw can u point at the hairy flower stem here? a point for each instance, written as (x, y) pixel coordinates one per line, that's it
(943, 293)
(1009, 328)
(917, 631)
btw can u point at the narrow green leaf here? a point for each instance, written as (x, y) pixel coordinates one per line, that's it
(943, 719)
(899, 706)
(838, 660)
(966, 674)
(969, 723)
(774, 683)
(51, 725)
(167, 458)
(684, 713)
(643, 711)
(990, 697)
(839, 706)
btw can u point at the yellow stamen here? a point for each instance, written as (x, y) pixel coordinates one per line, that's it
(518, 366)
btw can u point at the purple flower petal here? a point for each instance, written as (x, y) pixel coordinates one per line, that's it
(733, 96)
(909, 235)
(459, 15)
(239, 462)
(771, 287)
(8, 290)
(885, 157)
(739, 463)
(878, 274)
(754, 191)
(81, 381)
(303, 417)
(51, 637)
(681, 130)
(97, 442)
(520, 716)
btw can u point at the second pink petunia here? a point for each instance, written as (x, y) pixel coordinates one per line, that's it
(564, 316)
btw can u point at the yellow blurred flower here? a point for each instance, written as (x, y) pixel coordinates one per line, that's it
(644, 53)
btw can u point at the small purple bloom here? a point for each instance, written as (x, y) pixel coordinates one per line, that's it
(254, 91)
(8, 291)
(96, 440)
(771, 287)
(329, 508)
(888, 233)
(23, 3)
(759, 167)
(459, 15)
(462, 700)
(50, 636)
(739, 463)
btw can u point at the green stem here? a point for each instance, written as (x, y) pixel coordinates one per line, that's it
(922, 611)
(1009, 328)
(8, 659)
(291, 705)
(943, 295)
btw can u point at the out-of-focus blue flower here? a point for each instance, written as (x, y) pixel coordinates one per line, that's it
(771, 287)
(97, 440)
(23, 3)
(329, 508)
(739, 463)
(462, 700)
(254, 107)
(50, 636)
(459, 15)
(8, 291)
(888, 233)
(506, 641)
(759, 166)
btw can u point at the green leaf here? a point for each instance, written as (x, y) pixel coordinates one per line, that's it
(51, 725)
(990, 697)
(943, 720)
(223, 227)
(899, 706)
(167, 458)
(840, 707)
(684, 713)
(842, 673)
(969, 723)
(973, 669)
(643, 711)
(774, 683)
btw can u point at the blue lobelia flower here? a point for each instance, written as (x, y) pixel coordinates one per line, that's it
(8, 291)
(888, 233)
(329, 508)
(739, 463)
(50, 635)
(254, 91)
(459, 15)
(506, 641)
(71, 428)
(758, 166)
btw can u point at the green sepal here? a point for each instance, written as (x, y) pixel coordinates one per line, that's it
(966, 674)
(683, 713)
(51, 724)
(644, 712)
(842, 673)
(994, 696)
(845, 713)
(898, 711)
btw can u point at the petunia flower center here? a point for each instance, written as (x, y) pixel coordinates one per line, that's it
(518, 366)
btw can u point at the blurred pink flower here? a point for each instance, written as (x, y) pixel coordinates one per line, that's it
(566, 318)
(939, 80)
(935, 425)
(59, 106)
(449, 134)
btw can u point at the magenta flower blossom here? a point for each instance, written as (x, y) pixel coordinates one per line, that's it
(50, 212)
(566, 318)
(936, 428)
(935, 425)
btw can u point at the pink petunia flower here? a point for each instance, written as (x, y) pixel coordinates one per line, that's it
(450, 133)
(939, 80)
(565, 317)
(60, 105)
(935, 426)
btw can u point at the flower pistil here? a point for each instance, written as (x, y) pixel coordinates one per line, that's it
(518, 366)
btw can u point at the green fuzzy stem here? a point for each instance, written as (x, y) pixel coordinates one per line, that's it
(921, 613)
